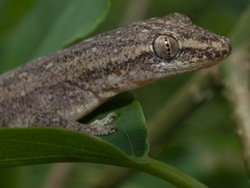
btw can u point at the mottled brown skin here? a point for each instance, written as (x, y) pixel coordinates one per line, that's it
(58, 89)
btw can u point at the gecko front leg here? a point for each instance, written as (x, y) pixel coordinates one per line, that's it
(64, 113)
(96, 128)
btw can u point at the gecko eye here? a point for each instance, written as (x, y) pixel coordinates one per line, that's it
(166, 47)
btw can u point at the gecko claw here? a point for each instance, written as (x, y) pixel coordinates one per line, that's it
(103, 127)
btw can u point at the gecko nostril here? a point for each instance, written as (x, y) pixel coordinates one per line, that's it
(224, 52)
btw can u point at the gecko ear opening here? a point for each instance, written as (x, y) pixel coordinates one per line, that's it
(166, 47)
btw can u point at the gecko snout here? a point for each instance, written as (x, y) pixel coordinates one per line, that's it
(227, 47)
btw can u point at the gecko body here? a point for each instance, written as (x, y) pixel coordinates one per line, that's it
(58, 89)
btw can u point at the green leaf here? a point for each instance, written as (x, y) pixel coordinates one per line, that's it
(127, 147)
(51, 25)
(27, 146)
(131, 136)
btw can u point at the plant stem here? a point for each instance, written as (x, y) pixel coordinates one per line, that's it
(169, 173)
(237, 82)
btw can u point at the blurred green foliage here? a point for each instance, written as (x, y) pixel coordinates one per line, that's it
(204, 145)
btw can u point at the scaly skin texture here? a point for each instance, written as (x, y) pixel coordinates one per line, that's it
(58, 89)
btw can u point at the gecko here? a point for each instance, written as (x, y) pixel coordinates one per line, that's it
(58, 89)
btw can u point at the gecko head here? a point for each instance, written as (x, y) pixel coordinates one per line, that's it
(179, 46)
(161, 47)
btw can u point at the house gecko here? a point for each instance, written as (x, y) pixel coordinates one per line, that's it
(58, 89)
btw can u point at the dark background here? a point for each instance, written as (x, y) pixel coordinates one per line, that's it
(204, 144)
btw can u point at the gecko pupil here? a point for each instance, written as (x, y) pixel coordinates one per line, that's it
(166, 47)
